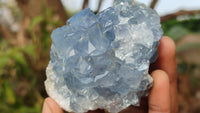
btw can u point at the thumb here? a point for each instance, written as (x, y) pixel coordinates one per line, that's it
(50, 106)
(159, 98)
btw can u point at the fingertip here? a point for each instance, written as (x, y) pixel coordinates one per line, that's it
(166, 60)
(159, 98)
(48, 100)
(46, 107)
(159, 77)
(50, 106)
(161, 80)
(167, 47)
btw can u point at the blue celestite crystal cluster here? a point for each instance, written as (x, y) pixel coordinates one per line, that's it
(102, 61)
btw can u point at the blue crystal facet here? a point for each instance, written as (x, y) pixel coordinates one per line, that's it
(102, 61)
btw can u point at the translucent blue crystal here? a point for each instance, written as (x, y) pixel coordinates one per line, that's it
(102, 61)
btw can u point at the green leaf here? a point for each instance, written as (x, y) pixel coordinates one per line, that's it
(3, 61)
(17, 56)
(9, 94)
(30, 50)
(35, 22)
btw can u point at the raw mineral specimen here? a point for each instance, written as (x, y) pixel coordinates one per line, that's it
(102, 61)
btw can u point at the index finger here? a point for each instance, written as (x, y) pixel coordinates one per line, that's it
(166, 62)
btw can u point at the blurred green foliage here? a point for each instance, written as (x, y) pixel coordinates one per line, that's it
(23, 67)
(17, 81)
(177, 30)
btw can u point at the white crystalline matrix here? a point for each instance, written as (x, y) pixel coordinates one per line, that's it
(102, 61)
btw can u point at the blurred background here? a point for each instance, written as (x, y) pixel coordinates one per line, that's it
(25, 28)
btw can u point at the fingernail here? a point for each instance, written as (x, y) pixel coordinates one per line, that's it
(46, 108)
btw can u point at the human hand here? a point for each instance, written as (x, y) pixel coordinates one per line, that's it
(163, 95)
(166, 62)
